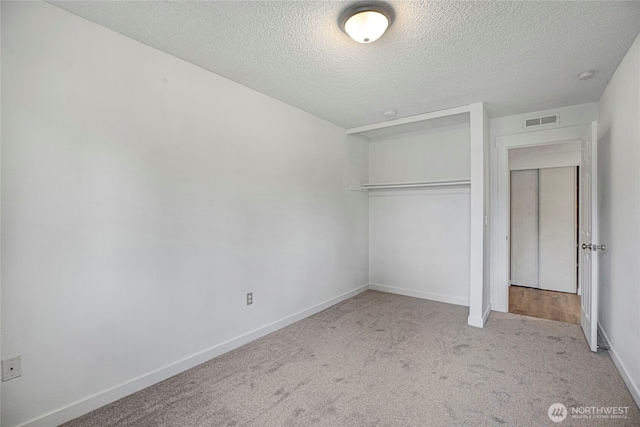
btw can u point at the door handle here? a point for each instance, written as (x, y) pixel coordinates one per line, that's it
(594, 248)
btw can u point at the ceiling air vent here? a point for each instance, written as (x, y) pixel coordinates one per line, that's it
(552, 119)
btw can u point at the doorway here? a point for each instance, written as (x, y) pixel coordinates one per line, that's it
(543, 279)
(586, 136)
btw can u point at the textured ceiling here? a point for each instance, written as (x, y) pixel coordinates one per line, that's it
(516, 56)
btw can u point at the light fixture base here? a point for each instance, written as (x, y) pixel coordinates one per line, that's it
(389, 114)
(586, 75)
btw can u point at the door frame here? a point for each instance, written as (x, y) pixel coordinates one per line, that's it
(503, 144)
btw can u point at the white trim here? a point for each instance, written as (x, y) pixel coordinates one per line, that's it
(541, 137)
(475, 322)
(634, 389)
(477, 139)
(486, 314)
(411, 119)
(98, 400)
(479, 322)
(394, 185)
(420, 294)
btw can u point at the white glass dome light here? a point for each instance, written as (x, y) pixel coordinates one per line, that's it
(366, 27)
(366, 22)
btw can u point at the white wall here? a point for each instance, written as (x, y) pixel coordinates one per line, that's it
(545, 156)
(419, 238)
(142, 197)
(430, 155)
(619, 205)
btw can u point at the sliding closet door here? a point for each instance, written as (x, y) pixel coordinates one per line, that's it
(524, 228)
(558, 262)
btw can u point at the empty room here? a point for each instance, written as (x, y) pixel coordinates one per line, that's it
(330, 213)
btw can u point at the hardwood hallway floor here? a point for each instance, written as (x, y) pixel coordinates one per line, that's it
(543, 304)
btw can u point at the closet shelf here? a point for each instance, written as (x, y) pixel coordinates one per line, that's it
(394, 185)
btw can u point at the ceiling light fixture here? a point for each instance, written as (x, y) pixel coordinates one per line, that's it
(366, 22)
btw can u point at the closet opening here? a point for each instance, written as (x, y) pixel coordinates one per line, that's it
(544, 197)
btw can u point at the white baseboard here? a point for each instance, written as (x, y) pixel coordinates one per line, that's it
(420, 294)
(634, 389)
(477, 321)
(98, 400)
(486, 314)
(495, 306)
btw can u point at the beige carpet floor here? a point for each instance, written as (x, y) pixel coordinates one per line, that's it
(388, 360)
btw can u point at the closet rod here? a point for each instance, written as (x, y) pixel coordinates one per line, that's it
(383, 186)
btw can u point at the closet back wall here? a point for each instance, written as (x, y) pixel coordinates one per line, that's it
(419, 238)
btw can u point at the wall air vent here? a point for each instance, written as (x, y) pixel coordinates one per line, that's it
(552, 119)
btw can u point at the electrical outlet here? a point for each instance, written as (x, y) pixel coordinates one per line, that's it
(249, 298)
(11, 368)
